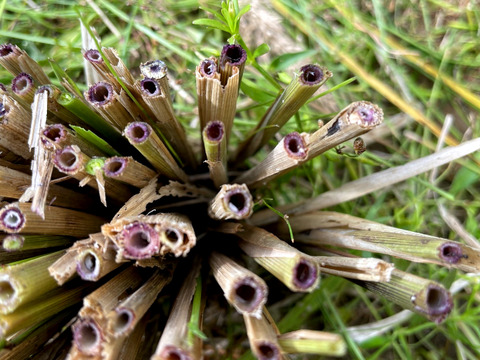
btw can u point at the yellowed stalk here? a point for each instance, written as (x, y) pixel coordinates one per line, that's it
(243, 289)
(18, 218)
(368, 269)
(217, 102)
(331, 228)
(103, 98)
(313, 342)
(23, 282)
(141, 135)
(38, 311)
(298, 271)
(425, 297)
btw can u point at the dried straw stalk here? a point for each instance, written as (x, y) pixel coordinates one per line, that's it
(243, 289)
(295, 149)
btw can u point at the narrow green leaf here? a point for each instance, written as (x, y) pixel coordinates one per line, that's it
(95, 140)
(242, 12)
(261, 50)
(211, 23)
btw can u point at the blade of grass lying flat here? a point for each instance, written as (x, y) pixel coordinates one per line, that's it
(415, 59)
(385, 90)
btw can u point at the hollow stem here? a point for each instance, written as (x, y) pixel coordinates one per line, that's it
(214, 141)
(129, 171)
(301, 88)
(18, 218)
(24, 281)
(243, 289)
(233, 201)
(141, 135)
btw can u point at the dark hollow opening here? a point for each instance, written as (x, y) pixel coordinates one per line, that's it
(304, 274)
(245, 293)
(89, 262)
(100, 93)
(93, 55)
(53, 132)
(437, 300)
(88, 337)
(234, 54)
(215, 131)
(150, 86)
(171, 235)
(236, 202)
(138, 132)
(267, 352)
(208, 67)
(122, 321)
(6, 49)
(451, 253)
(67, 159)
(311, 74)
(140, 239)
(113, 167)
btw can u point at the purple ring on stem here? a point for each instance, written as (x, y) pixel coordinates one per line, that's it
(208, 68)
(238, 202)
(100, 93)
(450, 252)
(93, 56)
(6, 49)
(305, 274)
(12, 219)
(123, 320)
(88, 266)
(67, 160)
(249, 294)
(215, 130)
(22, 83)
(295, 146)
(114, 166)
(140, 241)
(55, 132)
(88, 337)
(311, 74)
(267, 351)
(150, 87)
(234, 54)
(138, 132)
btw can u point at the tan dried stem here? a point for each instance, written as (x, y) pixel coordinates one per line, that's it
(243, 289)
(18, 218)
(295, 149)
(233, 201)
